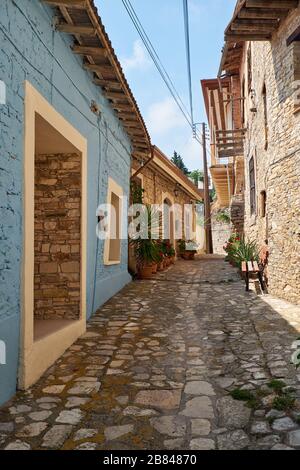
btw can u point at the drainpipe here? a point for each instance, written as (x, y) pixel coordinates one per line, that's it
(145, 165)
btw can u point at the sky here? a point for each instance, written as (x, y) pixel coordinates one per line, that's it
(163, 22)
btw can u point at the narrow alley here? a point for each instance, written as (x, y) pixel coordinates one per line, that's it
(157, 368)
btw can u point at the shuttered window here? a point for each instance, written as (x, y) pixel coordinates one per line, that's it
(252, 187)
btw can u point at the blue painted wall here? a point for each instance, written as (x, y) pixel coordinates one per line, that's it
(31, 50)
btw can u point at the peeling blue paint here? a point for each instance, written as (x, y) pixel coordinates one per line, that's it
(31, 50)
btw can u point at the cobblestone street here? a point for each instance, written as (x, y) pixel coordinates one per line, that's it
(156, 368)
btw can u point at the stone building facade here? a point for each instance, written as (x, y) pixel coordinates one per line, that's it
(264, 60)
(273, 142)
(163, 182)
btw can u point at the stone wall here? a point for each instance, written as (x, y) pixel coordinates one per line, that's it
(157, 187)
(220, 235)
(237, 209)
(276, 154)
(57, 236)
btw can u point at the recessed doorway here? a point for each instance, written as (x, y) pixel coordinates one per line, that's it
(54, 277)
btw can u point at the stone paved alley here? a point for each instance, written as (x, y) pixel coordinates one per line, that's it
(156, 368)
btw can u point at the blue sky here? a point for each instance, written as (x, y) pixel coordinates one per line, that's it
(163, 21)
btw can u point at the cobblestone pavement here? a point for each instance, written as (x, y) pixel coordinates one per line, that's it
(156, 368)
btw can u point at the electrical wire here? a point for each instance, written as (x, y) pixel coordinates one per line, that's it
(131, 11)
(188, 53)
(161, 69)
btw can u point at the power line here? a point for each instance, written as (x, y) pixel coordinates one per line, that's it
(158, 63)
(188, 53)
(130, 7)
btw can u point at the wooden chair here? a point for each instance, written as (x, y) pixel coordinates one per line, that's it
(253, 268)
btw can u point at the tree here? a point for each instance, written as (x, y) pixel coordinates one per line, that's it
(178, 161)
(197, 175)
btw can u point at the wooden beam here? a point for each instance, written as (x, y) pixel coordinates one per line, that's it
(88, 50)
(115, 67)
(123, 106)
(80, 4)
(133, 131)
(128, 117)
(293, 37)
(115, 95)
(132, 125)
(265, 13)
(98, 68)
(231, 131)
(231, 37)
(254, 26)
(278, 4)
(83, 30)
(108, 83)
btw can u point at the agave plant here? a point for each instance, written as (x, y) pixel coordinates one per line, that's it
(145, 240)
(244, 251)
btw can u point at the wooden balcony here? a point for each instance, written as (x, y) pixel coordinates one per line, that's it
(257, 20)
(230, 143)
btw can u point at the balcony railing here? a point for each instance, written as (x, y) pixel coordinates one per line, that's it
(230, 143)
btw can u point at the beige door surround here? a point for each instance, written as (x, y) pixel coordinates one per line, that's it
(37, 356)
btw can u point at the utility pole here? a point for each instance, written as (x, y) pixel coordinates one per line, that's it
(207, 213)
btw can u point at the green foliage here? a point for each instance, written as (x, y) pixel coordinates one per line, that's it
(242, 395)
(223, 217)
(144, 242)
(284, 402)
(276, 385)
(178, 161)
(181, 245)
(196, 175)
(239, 250)
(137, 193)
(146, 252)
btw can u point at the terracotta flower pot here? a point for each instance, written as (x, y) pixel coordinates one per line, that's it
(154, 268)
(168, 261)
(146, 272)
(173, 259)
(160, 266)
(186, 255)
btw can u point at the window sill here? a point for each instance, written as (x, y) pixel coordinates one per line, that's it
(111, 263)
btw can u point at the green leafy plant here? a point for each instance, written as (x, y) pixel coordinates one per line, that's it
(276, 385)
(242, 395)
(181, 245)
(137, 193)
(223, 217)
(284, 402)
(144, 241)
(239, 250)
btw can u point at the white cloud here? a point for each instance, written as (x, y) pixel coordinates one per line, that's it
(139, 59)
(164, 116)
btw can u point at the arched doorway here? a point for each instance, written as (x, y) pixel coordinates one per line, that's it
(168, 222)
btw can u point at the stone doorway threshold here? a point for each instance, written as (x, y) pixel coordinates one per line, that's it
(51, 339)
(44, 328)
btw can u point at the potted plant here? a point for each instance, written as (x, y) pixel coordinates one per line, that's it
(146, 253)
(172, 255)
(187, 249)
(181, 247)
(146, 248)
(160, 257)
(191, 248)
